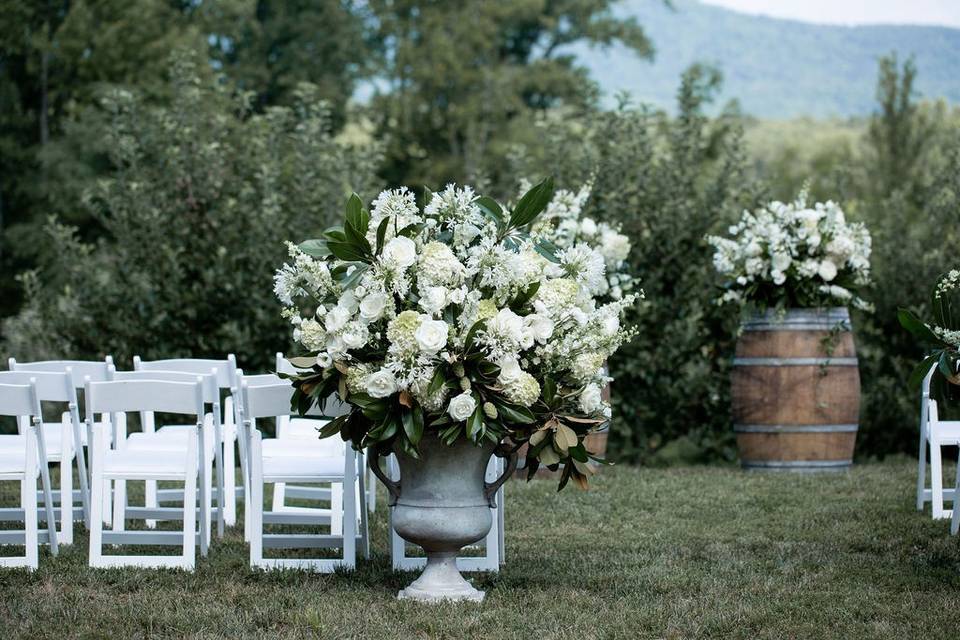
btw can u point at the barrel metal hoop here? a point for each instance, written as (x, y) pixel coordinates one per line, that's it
(826, 319)
(795, 428)
(795, 464)
(795, 362)
(799, 326)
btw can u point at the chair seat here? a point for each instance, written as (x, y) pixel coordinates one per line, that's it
(170, 441)
(285, 447)
(139, 462)
(13, 453)
(946, 432)
(51, 438)
(302, 466)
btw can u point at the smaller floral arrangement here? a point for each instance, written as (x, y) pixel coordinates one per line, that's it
(941, 338)
(563, 226)
(794, 255)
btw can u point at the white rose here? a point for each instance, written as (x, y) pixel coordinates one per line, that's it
(433, 299)
(778, 277)
(381, 383)
(401, 251)
(781, 261)
(348, 300)
(336, 318)
(335, 345)
(355, 335)
(539, 326)
(588, 226)
(462, 406)
(510, 370)
(373, 306)
(431, 335)
(590, 398)
(506, 323)
(827, 270)
(611, 324)
(324, 360)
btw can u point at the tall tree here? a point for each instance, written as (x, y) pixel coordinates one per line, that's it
(460, 76)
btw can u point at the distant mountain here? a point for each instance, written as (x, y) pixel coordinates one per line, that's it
(775, 68)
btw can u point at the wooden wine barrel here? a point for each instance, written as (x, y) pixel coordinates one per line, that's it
(796, 391)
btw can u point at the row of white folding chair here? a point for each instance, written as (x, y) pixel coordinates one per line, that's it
(175, 440)
(226, 491)
(22, 459)
(124, 464)
(273, 461)
(306, 429)
(937, 434)
(78, 370)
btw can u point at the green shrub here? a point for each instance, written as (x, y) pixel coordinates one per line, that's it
(200, 199)
(669, 181)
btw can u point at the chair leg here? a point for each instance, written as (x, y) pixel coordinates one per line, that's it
(337, 516)
(150, 500)
(955, 516)
(66, 499)
(84, 482)
(364, 525)
(190, 507)
(349, 535)
(205, 509)
(119, 505)
(921, 470)
(96, 510)
(254, 504)
(228, 471)
(279, 495)
(936, 480)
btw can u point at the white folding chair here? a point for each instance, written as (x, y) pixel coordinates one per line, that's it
(305, 430)
(493, 549)
(937, 434)
(270, 462)
(176, 440)
(96, 371)
(125, 464)
(225, 461)
(22, 459)
(59, 439)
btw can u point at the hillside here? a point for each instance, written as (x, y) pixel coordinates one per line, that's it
(775, 68)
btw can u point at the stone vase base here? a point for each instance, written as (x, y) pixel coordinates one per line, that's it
(441, 582)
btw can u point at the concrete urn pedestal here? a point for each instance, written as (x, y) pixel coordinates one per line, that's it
(442, 503)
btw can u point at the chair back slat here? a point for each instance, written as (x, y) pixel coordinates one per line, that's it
(144, 395)
(51, 386)
(82, 369)
(226, 369)
(211, 390)
(18, 400)
(267, 400)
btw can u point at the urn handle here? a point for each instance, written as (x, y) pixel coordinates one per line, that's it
(393, 488)
(490, 488)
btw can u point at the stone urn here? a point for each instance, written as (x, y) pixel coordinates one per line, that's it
(442, 503)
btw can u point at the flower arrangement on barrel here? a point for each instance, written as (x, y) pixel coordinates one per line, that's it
(452, 333)
(794, 269)
(941, 337)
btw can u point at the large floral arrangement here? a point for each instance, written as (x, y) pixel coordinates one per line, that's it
(941, 337)
(453, 321)
(563, 225)
(794, 255)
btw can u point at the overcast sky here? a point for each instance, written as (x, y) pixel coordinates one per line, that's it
(850, 12)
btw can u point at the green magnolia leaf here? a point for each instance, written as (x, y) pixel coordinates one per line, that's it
(411, 229)
(436, 382)
(382, 234)
(333, 426)
(490, 209)
(913, 324)
(411, 426)
(334, 233)
(547, 249)
(515, 414)
(549, 391)
(525, 296)
(472, 334)
(920, 372)
(475, 423)
(357, 238)
(302, 362)
(315, 248)
(347, 252)
(532, 204)
(354, 213)
(354, 276)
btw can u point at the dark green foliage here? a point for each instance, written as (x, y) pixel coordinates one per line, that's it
(195, 212)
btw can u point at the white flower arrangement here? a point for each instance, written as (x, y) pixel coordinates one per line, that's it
(456, 320)
(941, 337)
(597, 249)
(794, 255)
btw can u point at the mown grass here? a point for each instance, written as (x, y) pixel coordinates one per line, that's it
(677, 553)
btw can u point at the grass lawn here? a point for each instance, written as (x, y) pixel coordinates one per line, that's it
(647, 553)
